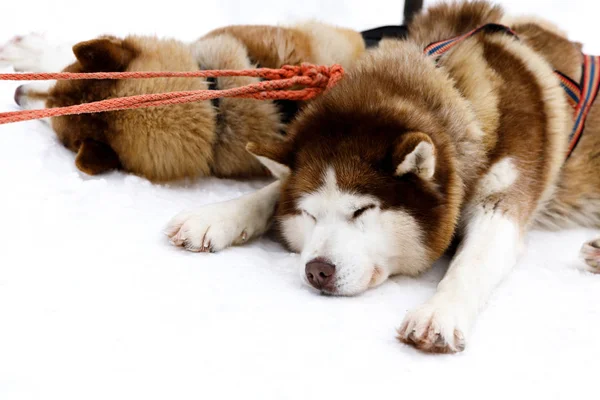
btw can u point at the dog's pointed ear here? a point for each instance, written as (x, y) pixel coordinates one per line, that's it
(95, 157)
(276, 157)
(415, 153)
(105, 54)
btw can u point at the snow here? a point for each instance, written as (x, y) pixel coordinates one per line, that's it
(95, 304)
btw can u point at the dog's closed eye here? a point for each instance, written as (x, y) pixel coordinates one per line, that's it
(361, 211)
(309, 215)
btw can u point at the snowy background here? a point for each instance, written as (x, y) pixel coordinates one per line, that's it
(95, 304)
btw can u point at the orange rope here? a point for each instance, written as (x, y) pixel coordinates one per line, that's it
(314, 78)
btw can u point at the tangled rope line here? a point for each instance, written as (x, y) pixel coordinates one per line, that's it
(277, 85)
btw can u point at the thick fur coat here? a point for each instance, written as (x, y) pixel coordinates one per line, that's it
(183, 141)
(406, 155)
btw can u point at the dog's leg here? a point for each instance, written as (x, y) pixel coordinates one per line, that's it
(217, 226)
(36, 53)
(488, 252)
(590, 252)
(33, 95)
(224, 52)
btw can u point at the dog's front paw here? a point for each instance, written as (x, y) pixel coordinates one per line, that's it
(34, 53)
(590, 252)
(435, 327)
(213, 228)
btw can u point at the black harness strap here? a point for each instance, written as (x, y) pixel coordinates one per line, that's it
(372, 37)
(411, 7)
(288, 109)
(212, 85)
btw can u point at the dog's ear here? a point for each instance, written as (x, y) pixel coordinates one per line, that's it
(95, 157)
(276, 157)
(104, 54)
(414, 153)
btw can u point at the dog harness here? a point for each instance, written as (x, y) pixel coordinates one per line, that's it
(581, 96)
(372, 37)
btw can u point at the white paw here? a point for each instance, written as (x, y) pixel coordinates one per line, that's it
(435, 327)
(33, 95)
(35, 53)
(212, 228)
(590, 252)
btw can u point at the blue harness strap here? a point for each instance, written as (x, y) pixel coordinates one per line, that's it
(581, 96)
(590, 82)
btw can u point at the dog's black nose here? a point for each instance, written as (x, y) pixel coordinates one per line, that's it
(319, 273)
(19, 93)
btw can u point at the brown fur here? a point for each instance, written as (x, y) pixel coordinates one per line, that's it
(446, 20)
(187, 141)
(576, 197)
(360, 135)
(499, 123)
(491, 98)
(162, 143)
(260, 41)
(576, 201)
(470, 145)
(295, 45)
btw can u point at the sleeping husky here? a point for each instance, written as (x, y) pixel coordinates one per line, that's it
(409, 152)
(182, 141)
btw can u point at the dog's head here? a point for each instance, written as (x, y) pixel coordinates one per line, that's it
(149, 142)
(367, 193)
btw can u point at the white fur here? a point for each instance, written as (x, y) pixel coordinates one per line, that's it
(217, 226)
(27, 101)
(499, 178)
(223, 52)
(331, 46)
(421, 161)
(488, 252)
(365, 250)
(278, 170)
(36, 53)
(590, 253)
(34, 102)
(293, 229)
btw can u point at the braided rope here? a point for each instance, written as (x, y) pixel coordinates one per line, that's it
(315, 79)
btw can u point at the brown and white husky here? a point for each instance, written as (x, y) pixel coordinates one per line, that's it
(379, 175)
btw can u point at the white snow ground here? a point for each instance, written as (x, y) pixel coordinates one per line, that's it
(95, 304)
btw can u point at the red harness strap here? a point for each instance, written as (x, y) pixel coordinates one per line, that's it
(438, 49)
(581, 96)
